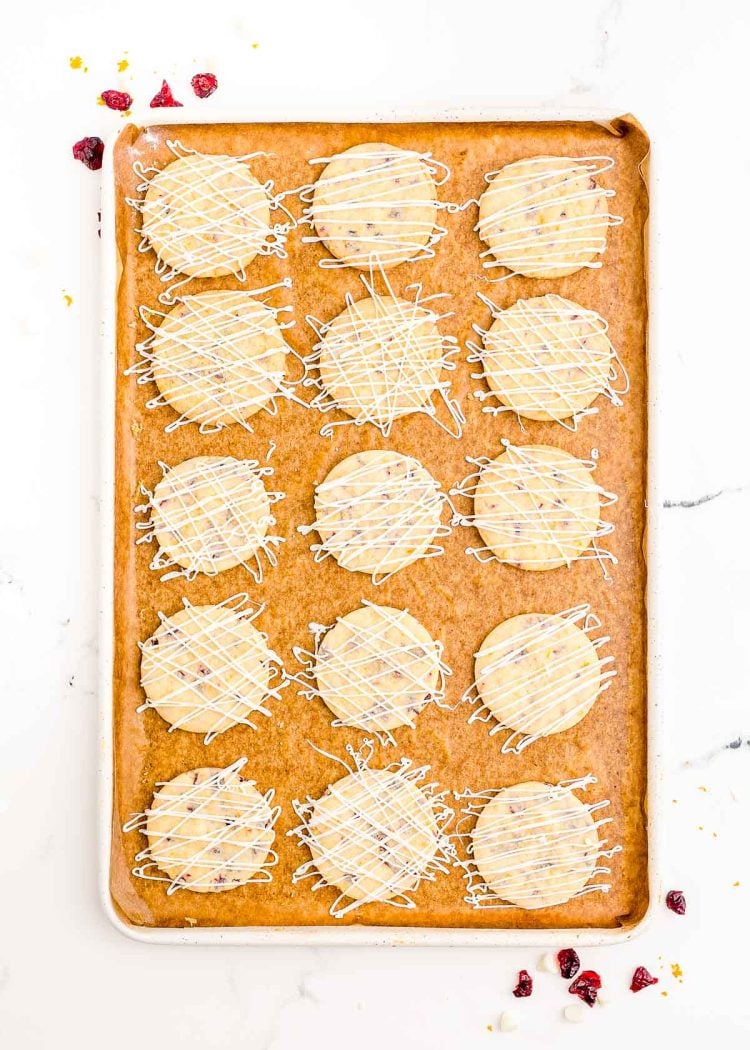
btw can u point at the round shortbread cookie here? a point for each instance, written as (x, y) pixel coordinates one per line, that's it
(381, 359)
(546, 216)
(547, 357)
(535, 845)
(209, 830)
(375, 203)
(536, 507)
(218, 357)
(210, 513)
(373, 835)
(377, 668)
(537, 674)
(206, 215)
(377, 512)
(207, 668)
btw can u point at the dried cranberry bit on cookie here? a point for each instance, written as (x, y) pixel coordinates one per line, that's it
(163, 99)
(90, 152)
(676, 902)
(569, 962)
(586, 986)
(204, 84)
(525, 985)
(642, 979)
(118, 100)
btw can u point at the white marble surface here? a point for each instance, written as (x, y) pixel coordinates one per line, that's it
(67, 979)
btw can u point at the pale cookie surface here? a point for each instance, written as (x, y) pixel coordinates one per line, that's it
(381, 359)
(535, 845)
(548, 358)
(373, 835)
(536, 507)
(537, 674)
(206, 216)
(218, 358)
(375, 203)
(210, 513)
(546, 216)
(208, 830)
(377, 512)
(377, 668)
(206, 669)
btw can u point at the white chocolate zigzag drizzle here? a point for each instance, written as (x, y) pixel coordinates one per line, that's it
(224, 214)
(339, 206)
(542, 675)
(376, 668)
(207, 668)
(547, 358)
(377, 512)
(536, 507)
(217, 358)
(381, 358)
(374, 835)
(208, 830)
(558, 242)
(208, 514)
(533, 845)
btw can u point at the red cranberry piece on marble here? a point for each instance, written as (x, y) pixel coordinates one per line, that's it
(642, 979)
(569, 962)
(586, 986)
(89, 151)
(164, 98)
(525, 985)
(676, 902)
(204, 84)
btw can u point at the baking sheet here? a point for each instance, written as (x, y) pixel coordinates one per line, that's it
(455, 597)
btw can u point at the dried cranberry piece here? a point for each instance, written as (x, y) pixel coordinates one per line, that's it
(586, 986)
(676, 902)
(89, 151)
(164, 98)
(119, 100)
(642, 979)
(569, 962)
(204, 84)
(525, 985)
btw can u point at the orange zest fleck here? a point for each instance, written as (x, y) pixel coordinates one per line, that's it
(68, 299)
(122, 65)
(677, 971)
(76, 62)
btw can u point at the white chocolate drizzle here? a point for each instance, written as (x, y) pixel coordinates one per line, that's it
(210, 342)
(375, 825)
(585, 233)
(174, 646)
(395, 347)
(369, 646)
(532, 841)
(557, 678)
(552, 333)
(518, 469)
(370, 185)
(242, 518)
(269, 240)
(375, 536)
(214, 803)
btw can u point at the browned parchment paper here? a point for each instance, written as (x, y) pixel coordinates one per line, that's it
(455, 597)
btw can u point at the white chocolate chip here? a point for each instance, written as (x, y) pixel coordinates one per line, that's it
(548, 963)
(575, 1013)
(509, 1021)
